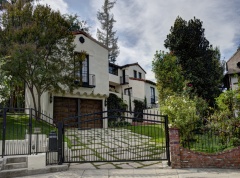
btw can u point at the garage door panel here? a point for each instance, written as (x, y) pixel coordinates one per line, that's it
(64, 108)
(68, 107)
(91, 107)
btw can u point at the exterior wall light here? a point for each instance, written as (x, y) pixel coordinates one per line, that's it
(50, 98)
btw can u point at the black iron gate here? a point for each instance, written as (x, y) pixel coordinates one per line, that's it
(25, 131)
(115, 136)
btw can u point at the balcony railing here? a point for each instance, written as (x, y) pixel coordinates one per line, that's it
(86, 80)
(124, 80)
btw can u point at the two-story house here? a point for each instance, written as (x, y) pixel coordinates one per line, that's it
(129, 83)
(88, 98)
(233, 71)
(99, 78)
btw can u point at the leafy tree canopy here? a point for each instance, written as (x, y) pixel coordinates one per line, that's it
(36, 47)
(168, 74)
(76, 23)
(200, 62)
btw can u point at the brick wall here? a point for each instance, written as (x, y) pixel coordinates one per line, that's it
(174, 147)
(185, 158)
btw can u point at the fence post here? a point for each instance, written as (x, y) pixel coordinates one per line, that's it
(30, 131)
(175, 147)
(60, 143)
(167, 140)
(4, 130)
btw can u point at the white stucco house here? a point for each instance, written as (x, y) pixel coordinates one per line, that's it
(233, 71)
(99, 78)
(129, 82)
(88, 98)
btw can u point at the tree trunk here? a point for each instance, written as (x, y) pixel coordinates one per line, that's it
(34, 100)
(39, 106)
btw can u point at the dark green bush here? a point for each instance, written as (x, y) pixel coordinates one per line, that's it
(236, 141)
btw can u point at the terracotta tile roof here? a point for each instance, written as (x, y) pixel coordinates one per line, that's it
(127, 65)
(144, 80)
(133, 64)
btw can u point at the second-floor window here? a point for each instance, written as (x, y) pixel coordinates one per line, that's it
(135, 74)
(152, 95)
(113, 70)
(81, 69)
(139, 75)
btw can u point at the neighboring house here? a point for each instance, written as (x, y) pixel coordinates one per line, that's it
(99, 78)
(233, 71)
(129, 83)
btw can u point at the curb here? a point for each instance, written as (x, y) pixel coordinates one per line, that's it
(27, 172)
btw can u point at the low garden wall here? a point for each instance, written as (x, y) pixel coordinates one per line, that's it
(185, 158)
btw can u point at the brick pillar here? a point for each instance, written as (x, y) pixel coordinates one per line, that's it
(174, 147)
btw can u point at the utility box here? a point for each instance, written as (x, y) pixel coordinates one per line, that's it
(53, 145)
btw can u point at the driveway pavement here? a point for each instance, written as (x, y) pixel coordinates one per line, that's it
(112, 145)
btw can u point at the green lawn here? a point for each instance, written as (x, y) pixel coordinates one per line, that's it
(156, 132)
(18, 125)
(207, 143)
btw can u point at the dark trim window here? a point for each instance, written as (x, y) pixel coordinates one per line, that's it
(123, 75)
(135, 74)
(82, 70)
(140, 75)
(152, 95)
(128, 91)
(113, 70)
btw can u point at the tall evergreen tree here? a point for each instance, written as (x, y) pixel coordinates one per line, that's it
(2, 2)
(200, 62)
(76, 23)
(107, 34)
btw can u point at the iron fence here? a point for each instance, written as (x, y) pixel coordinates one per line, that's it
(104, 136)
(24, 131)
(211, 135)
(115, 135)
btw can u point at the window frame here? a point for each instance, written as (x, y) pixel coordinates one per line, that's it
(113, 70)
(134, 73)
(152, 94)
(139, 75)
(78, 73)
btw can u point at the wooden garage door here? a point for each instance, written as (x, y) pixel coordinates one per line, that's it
(64, 108)
(91, 109)
(87, 109)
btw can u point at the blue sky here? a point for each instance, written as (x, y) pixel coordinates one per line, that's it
(142, 26)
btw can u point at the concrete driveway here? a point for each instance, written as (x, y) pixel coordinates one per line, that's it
(112, 145)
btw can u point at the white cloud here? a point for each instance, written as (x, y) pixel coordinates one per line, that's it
(142, 26)
(57, 5)
(150, 22)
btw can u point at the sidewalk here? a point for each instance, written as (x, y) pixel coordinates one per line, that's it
(83, 171)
